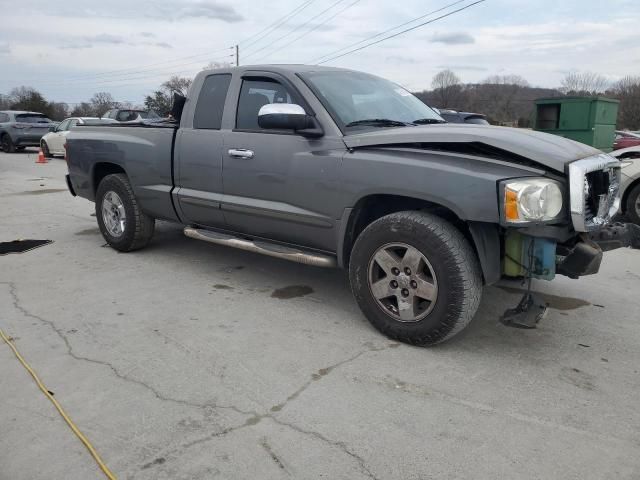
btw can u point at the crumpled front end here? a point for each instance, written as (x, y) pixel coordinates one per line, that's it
(575, 250)
(594, 191)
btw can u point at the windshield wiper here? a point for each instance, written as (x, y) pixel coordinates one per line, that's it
(378, 122)
(428, 121)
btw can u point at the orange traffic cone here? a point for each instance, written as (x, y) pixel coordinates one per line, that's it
(41, 157)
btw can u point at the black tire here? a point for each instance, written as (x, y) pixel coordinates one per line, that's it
(633, 205)
(451, 259)
(138, 226)
(7, 144)
(45, 149)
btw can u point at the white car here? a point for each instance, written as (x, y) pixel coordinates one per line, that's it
(53, 142)
(129, 115)
(630, 187)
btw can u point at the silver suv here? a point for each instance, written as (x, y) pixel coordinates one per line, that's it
(19, 129)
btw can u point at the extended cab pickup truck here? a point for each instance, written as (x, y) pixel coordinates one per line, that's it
(332, 167)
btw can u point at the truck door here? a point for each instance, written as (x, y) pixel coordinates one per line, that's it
(277, 184)
(198, 156)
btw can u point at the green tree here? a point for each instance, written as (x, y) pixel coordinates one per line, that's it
(161, 100)
(28, 98)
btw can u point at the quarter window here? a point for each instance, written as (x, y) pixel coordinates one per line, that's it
(211, 101)
(4, 117)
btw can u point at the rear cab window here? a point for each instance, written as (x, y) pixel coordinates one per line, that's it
(211, 100)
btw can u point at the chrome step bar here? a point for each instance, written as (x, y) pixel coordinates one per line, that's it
(265, 248)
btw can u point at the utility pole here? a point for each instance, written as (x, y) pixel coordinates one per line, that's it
(237, 56)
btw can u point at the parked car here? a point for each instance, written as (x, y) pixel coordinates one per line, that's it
(52, 143)
(452, 116)
(333, 167)
(625, 139)
(130, 115)
(630, 185)
(19, 129)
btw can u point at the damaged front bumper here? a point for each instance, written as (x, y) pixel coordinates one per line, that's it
(586, 256)
(573, 251)
(543, 258)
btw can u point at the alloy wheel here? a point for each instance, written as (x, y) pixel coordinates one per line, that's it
(403, 282)
(114, 215)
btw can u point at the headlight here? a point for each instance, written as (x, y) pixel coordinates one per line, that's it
(532, 200)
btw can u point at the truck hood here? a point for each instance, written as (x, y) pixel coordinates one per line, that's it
(551, 151)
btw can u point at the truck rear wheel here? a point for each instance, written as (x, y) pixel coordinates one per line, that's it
(123, 224)
(415, 277)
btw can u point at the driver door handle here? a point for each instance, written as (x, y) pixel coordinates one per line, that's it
(240, 153)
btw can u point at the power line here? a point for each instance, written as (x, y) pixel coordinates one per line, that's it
(130, 70)
(315, 27)
(402, 32)
(280, 22)
(204, 56)
(389, 30)
(295, 29)
(156, 72)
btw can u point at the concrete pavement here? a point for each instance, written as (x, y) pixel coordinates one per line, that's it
(191, 361)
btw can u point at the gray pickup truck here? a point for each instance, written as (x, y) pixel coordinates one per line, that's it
(332, 167)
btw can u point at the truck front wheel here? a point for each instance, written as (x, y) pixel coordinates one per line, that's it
(415, 277)
(123, 224)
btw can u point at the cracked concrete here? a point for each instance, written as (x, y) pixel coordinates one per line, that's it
(172, 377)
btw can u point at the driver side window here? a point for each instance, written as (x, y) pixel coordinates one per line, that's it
(254, 95)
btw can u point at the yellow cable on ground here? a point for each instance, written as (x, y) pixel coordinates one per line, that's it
(75, 429)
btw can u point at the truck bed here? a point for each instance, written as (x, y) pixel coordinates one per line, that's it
(144, 151)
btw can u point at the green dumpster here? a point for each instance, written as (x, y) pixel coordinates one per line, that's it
(590, 120)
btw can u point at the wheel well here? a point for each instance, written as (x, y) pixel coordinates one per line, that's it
(625, 196)
(373, 207)
(101, 170)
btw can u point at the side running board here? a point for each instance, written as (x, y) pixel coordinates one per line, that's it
(265, 248)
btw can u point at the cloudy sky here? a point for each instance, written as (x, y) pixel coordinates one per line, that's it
(72, 49)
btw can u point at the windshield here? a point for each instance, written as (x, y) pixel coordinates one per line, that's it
(359, 100)
(32, 118)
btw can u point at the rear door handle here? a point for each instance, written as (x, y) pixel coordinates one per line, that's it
(240, 153)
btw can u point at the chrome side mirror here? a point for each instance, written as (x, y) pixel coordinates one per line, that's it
(289, 116)
(282, 116)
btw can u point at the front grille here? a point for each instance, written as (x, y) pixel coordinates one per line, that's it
(594, 184)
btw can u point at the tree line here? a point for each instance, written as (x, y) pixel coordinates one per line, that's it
(504, 99)
(509, 99)
(28, 98)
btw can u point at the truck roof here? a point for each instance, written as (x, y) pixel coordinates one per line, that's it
(277, 67)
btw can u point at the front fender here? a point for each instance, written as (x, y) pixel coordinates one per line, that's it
(464, 184)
